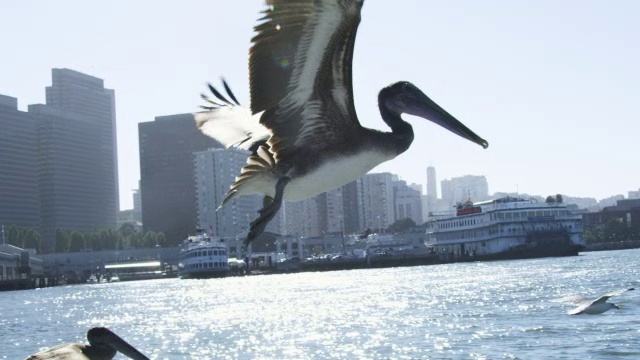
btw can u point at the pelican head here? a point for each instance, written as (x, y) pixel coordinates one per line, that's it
(404, 97)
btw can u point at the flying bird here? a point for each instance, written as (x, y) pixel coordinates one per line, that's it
(103, 345)
(302, 128)
(597, 306)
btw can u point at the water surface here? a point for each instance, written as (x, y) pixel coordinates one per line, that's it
(490, 310)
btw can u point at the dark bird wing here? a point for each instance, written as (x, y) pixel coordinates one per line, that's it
(300, 71)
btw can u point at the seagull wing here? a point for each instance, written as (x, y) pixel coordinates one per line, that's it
(573, 299)
(619, 292)
(605, 297)
(579, 309)
(300, 71)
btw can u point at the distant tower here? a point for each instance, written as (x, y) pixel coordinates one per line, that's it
(432, 187)
(85, 96)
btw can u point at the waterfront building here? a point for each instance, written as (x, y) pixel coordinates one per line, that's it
(18, 169)
(621, 218)
(331, 211)
(303, 218)
(167, 174)
(376, 192)
(463, 188)
(351, 207)
(407, 202)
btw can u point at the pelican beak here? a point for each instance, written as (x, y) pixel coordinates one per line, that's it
(122, 346)
(415, 102)
(617, 306)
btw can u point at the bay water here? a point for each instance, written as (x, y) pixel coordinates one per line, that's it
(482, 310)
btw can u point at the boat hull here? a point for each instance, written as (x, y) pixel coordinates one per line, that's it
(203, 274)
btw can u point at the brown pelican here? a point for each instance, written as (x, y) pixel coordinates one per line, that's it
(591, 307)
(302, 126)
(103, 345)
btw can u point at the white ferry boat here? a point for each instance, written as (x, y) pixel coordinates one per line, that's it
(203, 256)
(506, 228)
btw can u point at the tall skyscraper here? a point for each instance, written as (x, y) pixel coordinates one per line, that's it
(432, 185)
(19, 203)
(137, 204)
(85, 96)
(73, 190)
(215, 171)
(167, 177)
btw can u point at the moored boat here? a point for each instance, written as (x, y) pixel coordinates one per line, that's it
(203, 256)
(506, 228)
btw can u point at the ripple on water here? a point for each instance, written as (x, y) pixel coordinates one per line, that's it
(497, 310)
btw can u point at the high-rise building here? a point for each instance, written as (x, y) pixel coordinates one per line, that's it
(73, 190)
(331, 211)
(215, 171)
(19, 203)
(376, 194)
(463, 188)
(408, 202)
(85, 96)
(137, 204)
(302, 218)
(167, 177)
(432, 185)
(352, 209)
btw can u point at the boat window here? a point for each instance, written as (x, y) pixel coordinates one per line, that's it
(210, 265)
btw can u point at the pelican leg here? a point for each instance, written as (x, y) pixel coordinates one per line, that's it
(267, 212)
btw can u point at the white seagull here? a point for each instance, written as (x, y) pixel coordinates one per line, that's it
(103, 345)
(597, 306)
(302, 127)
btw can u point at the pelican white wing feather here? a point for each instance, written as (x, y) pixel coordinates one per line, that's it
(232, 126)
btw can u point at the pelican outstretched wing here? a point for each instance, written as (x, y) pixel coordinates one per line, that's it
(230, 123)
(300, 71)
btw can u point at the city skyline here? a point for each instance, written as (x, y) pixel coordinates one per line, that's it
(59, 168)
(554, 101)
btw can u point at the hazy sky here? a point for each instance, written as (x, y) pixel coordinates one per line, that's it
(554, 86)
